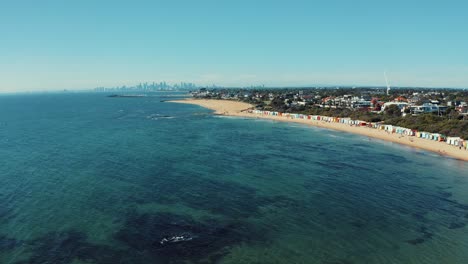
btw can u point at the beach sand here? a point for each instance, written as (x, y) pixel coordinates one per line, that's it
(234, 108)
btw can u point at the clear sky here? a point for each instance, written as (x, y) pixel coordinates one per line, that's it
(85, 44)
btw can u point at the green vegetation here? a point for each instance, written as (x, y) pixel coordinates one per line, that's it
(342, 102)
(451, 124)
(433, 124)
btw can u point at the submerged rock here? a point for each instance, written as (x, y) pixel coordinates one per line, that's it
(415, 241)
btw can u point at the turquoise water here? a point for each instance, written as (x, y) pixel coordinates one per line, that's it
(91, 179)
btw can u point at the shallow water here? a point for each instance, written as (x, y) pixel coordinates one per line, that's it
(91, 179)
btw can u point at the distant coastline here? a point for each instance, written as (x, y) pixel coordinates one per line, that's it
(235, 108)
(128, 95)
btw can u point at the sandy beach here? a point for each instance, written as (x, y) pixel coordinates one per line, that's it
(234, 108)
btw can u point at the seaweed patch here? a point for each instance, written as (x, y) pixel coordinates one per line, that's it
(425, 236)
(205, 194)
(445, 194)
(456, 225)
(340, 261)
(66, 247)
(8, 243)
(415, 241)
(419, 216)
(171, 238)
(144, 238)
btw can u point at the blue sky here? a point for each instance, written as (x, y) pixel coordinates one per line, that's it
(48, 45)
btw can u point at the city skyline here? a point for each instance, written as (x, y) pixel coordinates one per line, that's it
(53, 46)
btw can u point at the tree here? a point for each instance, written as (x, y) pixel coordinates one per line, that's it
(453, 114)
(393, 110)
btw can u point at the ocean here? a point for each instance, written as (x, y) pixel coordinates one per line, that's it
(85, 178)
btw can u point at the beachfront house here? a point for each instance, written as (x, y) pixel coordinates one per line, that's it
(401, 105)
(427, 108)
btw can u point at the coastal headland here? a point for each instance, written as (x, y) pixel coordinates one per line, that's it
(240, 109)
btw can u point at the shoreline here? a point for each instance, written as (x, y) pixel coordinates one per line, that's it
(234, 108)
